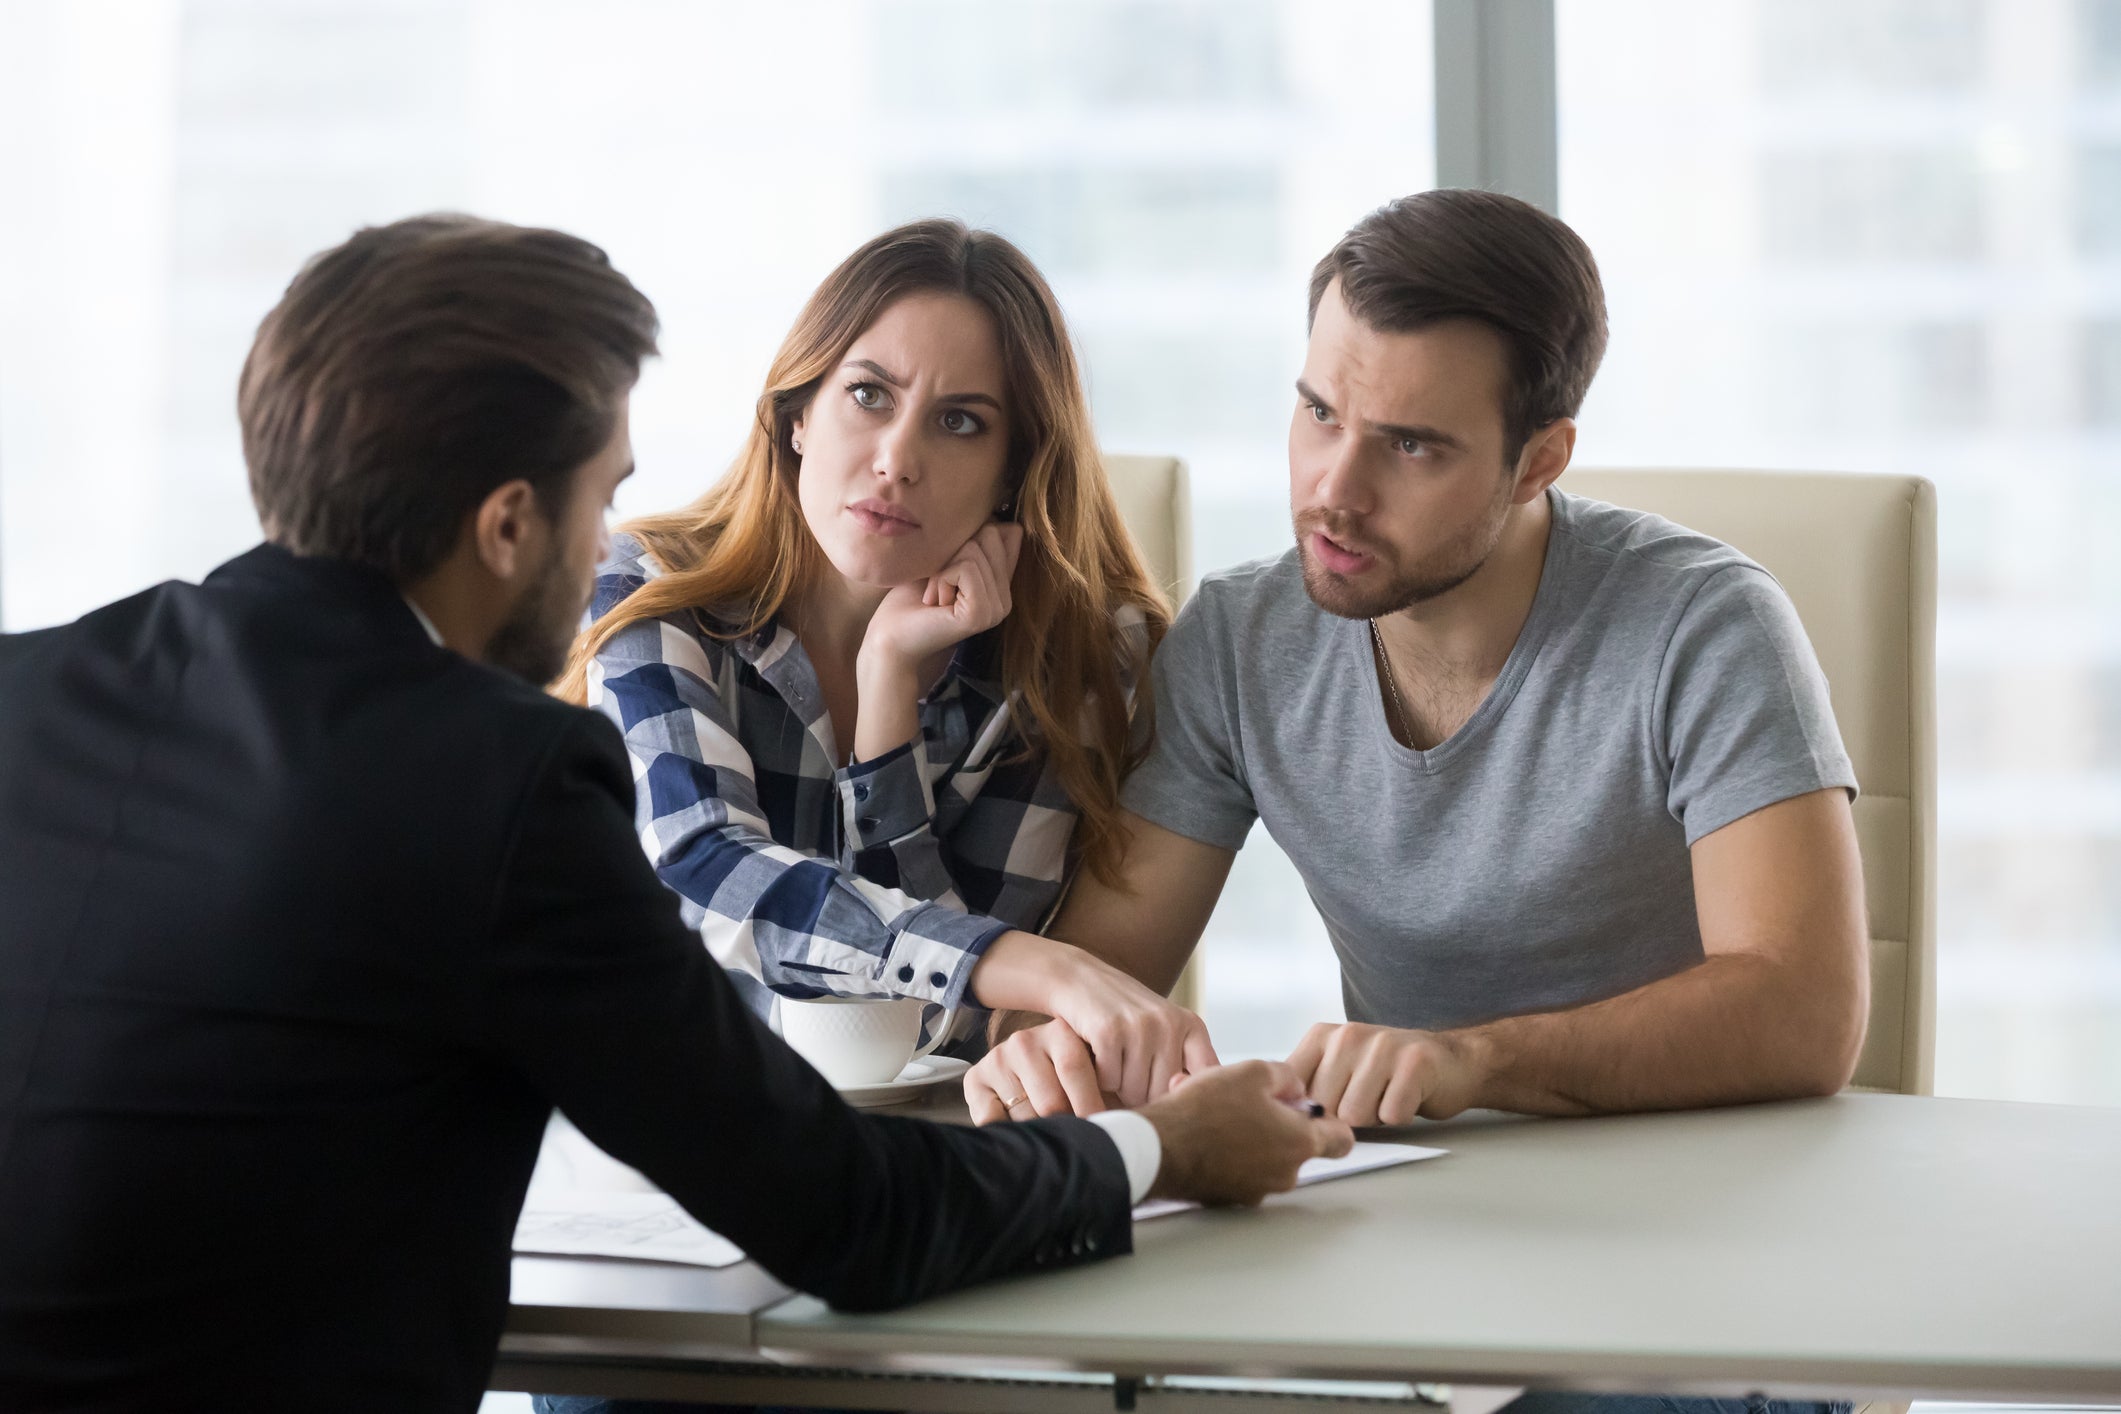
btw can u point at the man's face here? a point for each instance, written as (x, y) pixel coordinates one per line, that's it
(1397, 481)
(533, 641)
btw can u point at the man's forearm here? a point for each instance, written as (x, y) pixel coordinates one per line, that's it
(1147, 923)
(1735, 1028)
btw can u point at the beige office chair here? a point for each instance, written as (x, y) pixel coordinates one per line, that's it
(1858, 557)
(1157, 505)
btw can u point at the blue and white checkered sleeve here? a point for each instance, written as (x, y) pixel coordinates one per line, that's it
(795, 921)
(887, 808)
(1011, 847)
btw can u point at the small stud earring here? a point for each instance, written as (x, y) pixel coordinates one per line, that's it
(797, 445)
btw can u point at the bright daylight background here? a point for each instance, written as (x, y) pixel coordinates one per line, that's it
(1876, 235)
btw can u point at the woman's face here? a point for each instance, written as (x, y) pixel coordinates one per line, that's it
(904, 444)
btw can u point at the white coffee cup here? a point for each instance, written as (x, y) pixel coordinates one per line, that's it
(857, 1040)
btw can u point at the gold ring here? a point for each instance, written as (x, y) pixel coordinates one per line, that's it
(1011, 1104)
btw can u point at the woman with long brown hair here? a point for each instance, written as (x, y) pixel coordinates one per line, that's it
(878, 682)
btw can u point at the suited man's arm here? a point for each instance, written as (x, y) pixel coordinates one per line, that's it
(596, 992)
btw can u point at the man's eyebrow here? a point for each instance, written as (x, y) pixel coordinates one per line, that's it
(885, 375)
(1390, 431)
(1433, 436)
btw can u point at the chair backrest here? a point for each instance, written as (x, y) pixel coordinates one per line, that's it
(1858, 557)
(1158, 508)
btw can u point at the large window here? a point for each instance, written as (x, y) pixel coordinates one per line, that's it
(1877, 235)
(1887, 237)
(1175, 166)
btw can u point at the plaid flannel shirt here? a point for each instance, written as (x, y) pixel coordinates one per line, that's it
(882, 878)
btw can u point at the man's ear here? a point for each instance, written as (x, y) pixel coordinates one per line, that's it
(1544, 458)
(509, 531)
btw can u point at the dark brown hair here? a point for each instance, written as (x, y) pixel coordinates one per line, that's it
(409, 372)
(1459, 254)
(742, 549)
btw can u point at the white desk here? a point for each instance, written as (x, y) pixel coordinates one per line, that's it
(1867, 1245)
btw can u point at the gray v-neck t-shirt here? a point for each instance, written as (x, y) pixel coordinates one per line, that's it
(1660, 689)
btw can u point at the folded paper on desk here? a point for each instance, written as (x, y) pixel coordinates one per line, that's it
(1360, 1159)
(651, 1227)
(647, 1227)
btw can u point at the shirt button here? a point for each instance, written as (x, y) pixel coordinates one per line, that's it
(861, 790)
(905, 974)
(938, 979)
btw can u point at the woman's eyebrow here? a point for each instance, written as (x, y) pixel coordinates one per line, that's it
(885, 375)
(870, 365)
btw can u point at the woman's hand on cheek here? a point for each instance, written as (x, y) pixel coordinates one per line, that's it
(968, 595)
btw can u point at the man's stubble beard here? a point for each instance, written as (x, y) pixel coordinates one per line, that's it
(1440, 573)
(533, 641)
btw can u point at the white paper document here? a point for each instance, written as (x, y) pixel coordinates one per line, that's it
(647, 1227)
(651, 1227)
(1360, 1159)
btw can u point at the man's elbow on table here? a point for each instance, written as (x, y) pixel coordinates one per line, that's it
(1780, 895)
(1842, 1019)
(1809, 1028)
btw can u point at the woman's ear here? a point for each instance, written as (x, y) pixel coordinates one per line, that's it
(1012, 496)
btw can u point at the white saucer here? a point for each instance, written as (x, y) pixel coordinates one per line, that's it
(918, 1076)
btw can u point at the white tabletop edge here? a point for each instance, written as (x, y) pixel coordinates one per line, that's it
(1735, 1374)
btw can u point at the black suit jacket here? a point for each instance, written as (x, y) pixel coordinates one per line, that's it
(305, 926)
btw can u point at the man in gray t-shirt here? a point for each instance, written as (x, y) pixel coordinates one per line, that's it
(1562, 778)
(1538, 858)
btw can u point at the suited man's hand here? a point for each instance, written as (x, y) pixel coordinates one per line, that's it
(1233, 1134)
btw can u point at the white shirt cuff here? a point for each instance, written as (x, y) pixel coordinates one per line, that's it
(1141, 1149)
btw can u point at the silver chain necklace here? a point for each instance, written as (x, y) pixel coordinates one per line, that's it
(1399, 709)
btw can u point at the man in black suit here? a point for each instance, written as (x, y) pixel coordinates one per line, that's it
(312, 907)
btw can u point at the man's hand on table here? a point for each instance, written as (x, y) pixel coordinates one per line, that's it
(1110, 1035)
(1236, 1133)
(1041, 1070)
(1363, 1075)
(1383, 1075)
(1230, 1133)
(1051, 1069)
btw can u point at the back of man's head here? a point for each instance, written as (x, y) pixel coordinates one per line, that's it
(409, 372)
(1461, 254)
